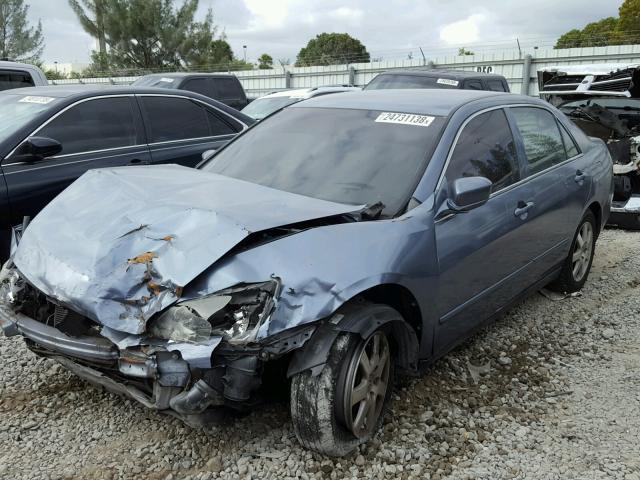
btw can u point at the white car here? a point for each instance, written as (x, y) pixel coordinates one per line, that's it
(267, 104)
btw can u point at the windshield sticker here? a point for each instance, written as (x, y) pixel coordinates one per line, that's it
(34, 99)
(405, 119)
(166, 79)
(446, 81)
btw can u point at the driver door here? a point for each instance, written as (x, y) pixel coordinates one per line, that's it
(481, 253)
(94, 133)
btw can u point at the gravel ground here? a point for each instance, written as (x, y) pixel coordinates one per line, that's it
(551, 391)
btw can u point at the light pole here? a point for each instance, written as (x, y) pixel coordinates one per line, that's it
(244, 48)
(56, 66)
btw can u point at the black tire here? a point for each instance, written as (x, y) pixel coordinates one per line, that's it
(569, 281)
(5, 244)
(318, 402)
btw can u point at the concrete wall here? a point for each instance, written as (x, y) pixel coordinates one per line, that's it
(510, 63)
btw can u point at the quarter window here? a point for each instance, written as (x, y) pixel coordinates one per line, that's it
(228, 88)
(485, 148)
(542, 141)
(496, 85)
(202, 86)
(94, 125)
(569, 144)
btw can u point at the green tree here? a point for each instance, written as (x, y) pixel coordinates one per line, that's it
(331, 49)
(265, 61)
(602, 32)
(91, 14)
(628, 30)
(18, 40)
(201, 49)
(464, 51)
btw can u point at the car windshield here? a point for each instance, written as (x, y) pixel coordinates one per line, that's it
(264, 106)
(383, 82)
(18, 110)
(160, 82)
(356, 157)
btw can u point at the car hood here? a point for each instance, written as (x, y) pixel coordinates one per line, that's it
(120, 244)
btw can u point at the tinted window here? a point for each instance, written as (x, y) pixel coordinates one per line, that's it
(473, 85)
(9, 80)
(202, 86)
(382, 82)
(569, 145)
(334, 154)
(542, 142)
(228, 88)
(94, 125)
(496, 85)
(217, 126)
(171, 118)
(485, 148)
(262, 107)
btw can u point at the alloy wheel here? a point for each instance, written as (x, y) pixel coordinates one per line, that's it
(582, 251)
(367, 382)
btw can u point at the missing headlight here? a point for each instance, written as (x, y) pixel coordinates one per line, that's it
(233, 313)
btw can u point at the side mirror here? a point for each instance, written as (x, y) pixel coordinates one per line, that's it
(468, 193)
(207, 154)
(34, 149)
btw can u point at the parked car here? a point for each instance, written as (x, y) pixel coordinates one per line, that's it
(267, 104)
(392, 227)
(20, 75)
(604, 101)
(219, 86)
(49, 136)
(436, 78)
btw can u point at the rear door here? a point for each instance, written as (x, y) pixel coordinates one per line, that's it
(482, 253)
(558, 180)
(94, 133)
(180, 129)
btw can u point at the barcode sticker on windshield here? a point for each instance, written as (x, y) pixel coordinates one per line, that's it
(446, 81)
(34, 99)
(405, 119)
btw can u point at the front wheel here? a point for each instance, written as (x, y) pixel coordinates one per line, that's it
(343, 406)
(576, 267)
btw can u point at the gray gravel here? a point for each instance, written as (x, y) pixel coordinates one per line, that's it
(550, 391)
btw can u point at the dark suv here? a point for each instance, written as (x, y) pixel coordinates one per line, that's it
(224, 88)
(434, 78)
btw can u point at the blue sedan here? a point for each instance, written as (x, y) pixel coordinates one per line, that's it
(391, 227)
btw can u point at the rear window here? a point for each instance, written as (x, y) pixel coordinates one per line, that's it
(228, 88)
(383, 82)
(15, 79)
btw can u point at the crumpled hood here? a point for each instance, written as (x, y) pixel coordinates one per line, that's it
(118, 245)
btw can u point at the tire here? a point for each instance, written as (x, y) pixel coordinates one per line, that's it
(577, 265)
(320, 413)
(5, 244)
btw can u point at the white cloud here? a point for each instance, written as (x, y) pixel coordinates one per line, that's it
(463, 31)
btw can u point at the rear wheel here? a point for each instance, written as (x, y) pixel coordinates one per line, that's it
(576, 267)
(343, 406)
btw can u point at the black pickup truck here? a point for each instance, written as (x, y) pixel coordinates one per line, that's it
(49, 136)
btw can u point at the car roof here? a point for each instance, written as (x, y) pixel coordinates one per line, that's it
(188, 74)
(442, 73)
(439, 102)
(79, 90)
(9, 65)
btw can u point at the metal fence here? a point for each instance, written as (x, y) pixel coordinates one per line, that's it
(518, 68)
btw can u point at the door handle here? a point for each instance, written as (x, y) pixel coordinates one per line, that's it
(522, 210)
(137, 161)
(580, 177)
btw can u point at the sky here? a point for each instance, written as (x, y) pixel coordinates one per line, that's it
(388, 28)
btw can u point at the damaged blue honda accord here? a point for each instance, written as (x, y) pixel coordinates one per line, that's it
(340, 241)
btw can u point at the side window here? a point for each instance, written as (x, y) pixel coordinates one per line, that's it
(15, 79)
(202, 86)
(94, 125)
(228, 88)
(473, 85)
(485, 148)
(542, 141)
(569, 145)
(218, 126)
(172, 118)
(495, 85)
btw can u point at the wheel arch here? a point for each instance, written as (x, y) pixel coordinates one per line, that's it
(596, 209)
